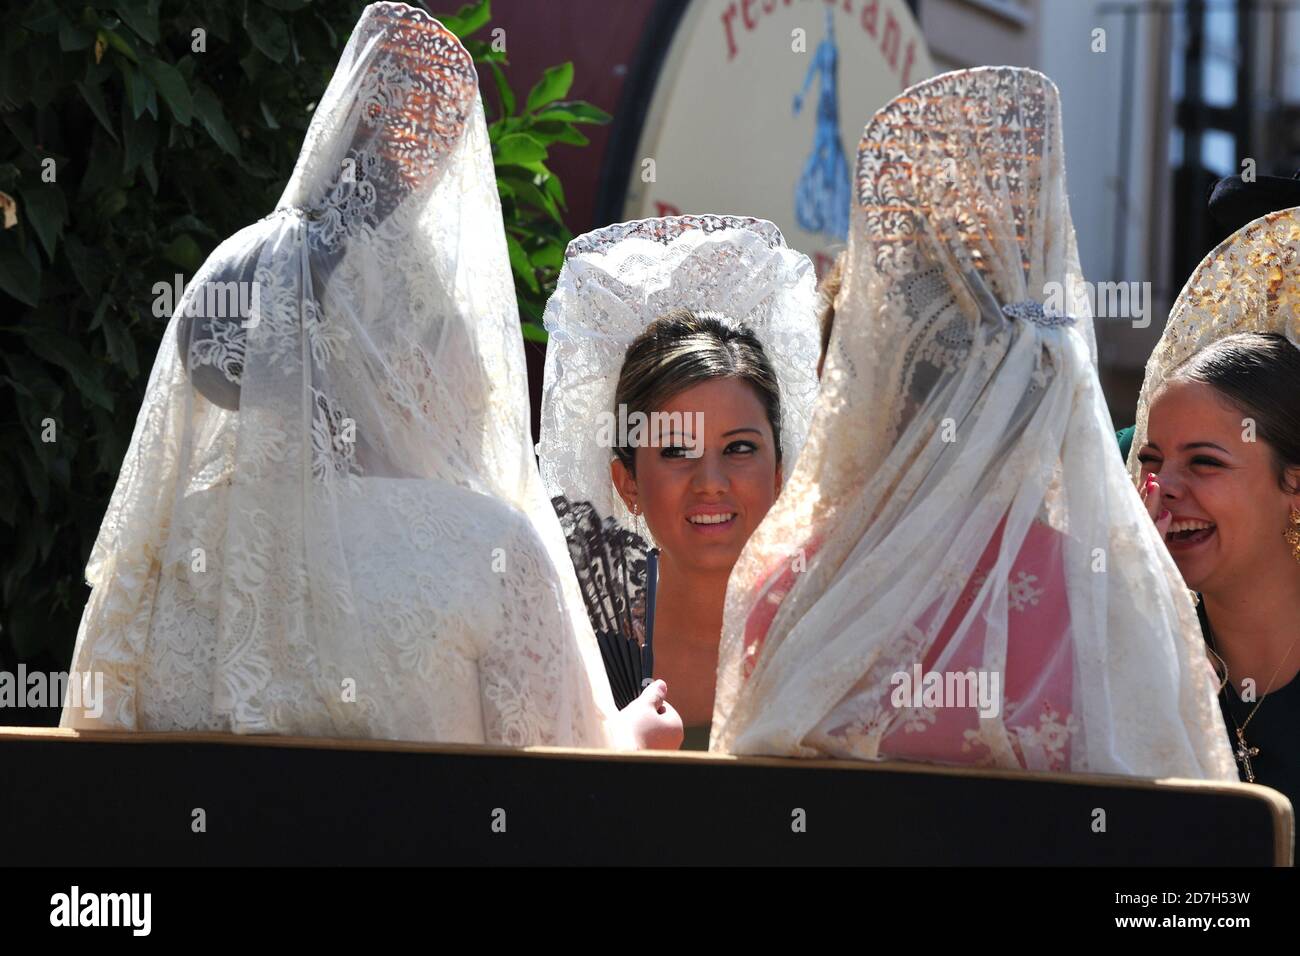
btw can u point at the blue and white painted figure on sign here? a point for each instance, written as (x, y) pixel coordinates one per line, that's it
(821, 198)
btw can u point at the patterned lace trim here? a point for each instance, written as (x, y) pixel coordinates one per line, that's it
(667, 229)
(1248, 283)
(414, 98)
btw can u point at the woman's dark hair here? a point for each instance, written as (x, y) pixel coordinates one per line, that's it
(1259, 373)
(684, 348)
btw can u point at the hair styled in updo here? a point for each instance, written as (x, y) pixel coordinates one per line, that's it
(1259, 372)
(685, 348)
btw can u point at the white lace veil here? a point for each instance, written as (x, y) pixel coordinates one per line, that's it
(619, 279)
(339, 486)
(1246, 284)
(959, 506)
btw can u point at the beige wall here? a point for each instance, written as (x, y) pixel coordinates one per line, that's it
(964, 33)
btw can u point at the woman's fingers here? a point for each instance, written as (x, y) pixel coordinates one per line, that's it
(654, 694)
(656, 725)
(672, 730)
(1154, 500)
(1150, 496)
(1163, 521)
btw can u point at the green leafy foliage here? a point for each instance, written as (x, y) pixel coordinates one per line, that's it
(130, 145)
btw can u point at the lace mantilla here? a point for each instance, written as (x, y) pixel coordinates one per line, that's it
(668, 229)
(387, 133)
(616, 281)
(404, 116)
(329, 520)
(957, 496)
(1250, 282)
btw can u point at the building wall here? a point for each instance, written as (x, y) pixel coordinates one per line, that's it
(1117, 203)
(965, 33)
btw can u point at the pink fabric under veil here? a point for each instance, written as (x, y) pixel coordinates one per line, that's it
(1036, 699)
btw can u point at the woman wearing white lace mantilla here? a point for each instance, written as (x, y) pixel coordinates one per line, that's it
(699, 331)
(958, 569)
(329, 521)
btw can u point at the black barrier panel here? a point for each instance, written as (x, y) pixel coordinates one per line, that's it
(115, 799)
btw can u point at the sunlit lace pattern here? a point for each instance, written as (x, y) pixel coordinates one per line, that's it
(441, 582)
(1249, 283)
(665, 230)
(619, 279)
(958, 501)
(329, 520)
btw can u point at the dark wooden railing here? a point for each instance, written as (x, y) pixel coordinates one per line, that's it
(104, 798)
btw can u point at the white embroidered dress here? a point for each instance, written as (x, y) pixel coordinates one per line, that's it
(329, 521)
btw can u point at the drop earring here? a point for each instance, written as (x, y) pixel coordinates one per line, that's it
(1292, 534)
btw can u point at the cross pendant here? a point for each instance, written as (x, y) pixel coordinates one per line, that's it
(1243, 753)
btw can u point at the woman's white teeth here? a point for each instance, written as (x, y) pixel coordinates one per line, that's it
(1178, 526)
(710, 519)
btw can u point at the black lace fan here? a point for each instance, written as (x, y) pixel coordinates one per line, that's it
(618, 573)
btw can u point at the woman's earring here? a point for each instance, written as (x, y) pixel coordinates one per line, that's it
(1292, 534)
(636, 510)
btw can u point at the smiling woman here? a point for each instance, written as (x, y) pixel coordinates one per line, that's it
(1222, 453)
(700, 502)
(1222, 481)
(1216, 453)
(701, 328)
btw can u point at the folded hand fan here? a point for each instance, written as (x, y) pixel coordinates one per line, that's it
(618, 575)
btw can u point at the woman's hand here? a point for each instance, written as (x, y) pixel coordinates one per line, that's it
(1150, 492)
(651, 721)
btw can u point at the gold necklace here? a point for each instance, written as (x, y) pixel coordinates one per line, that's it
(1244, 751)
